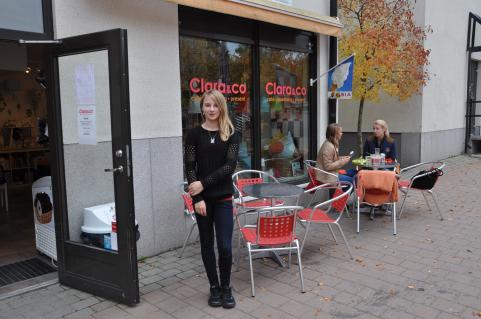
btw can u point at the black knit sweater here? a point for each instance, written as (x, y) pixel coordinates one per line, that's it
(211, 163)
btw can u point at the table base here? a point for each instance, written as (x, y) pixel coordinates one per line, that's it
(276, 256)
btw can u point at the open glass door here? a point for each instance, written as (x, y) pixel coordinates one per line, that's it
(473, 103)
(89, 126)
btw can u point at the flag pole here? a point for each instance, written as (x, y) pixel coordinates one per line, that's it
(312, 81)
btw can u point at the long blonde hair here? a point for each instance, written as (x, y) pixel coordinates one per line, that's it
(384, 125)
(226, 128)
(331, 133)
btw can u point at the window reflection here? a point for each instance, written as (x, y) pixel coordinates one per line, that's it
(284, 111)
(225, 66)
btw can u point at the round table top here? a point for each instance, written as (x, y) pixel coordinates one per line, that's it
(380, 166)
(272, 190)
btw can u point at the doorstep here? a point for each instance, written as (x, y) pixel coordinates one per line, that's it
(28, 285)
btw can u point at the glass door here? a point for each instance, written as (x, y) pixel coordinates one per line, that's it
(89, 126)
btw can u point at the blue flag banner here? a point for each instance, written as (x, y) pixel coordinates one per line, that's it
(339, 80)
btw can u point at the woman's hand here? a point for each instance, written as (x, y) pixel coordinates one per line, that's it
(195, 188)
(200, 208)
(345, 160)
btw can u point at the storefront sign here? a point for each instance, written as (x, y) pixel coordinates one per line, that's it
(200, 85)
(272, 88)
(86, 104)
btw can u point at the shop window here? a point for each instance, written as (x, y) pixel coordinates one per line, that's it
(226, 66)
(284, 109)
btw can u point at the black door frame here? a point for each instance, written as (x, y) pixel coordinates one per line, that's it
(80, 266)
(471, 101)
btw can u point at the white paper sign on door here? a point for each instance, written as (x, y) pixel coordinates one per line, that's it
(87, 128)
(86, 106)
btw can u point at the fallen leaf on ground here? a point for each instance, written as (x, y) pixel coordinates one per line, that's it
(412, 286)
(392, 291)
(320, 284)
(359, 260)
(326, 298)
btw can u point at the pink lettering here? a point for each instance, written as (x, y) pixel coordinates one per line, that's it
(235, 88)
(200, 85)
(272, 88)
(269, 89)
(243, 88)
(194, 85)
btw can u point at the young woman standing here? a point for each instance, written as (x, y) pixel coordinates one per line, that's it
(211, 152)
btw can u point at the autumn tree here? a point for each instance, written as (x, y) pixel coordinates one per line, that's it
(389, 48)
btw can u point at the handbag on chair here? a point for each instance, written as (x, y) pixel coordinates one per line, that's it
(426, 178)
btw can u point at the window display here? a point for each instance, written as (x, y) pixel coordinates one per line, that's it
(264, 72)
(225, 66)
(284, 111)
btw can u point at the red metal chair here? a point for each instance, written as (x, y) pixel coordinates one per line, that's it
(411, 178)
(376, 188)
(312, 169)
(249, 177)
(328, 211)
(189, 211)
(312, 172)
(275, 230)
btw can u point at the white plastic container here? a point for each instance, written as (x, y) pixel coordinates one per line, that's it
(44, 220)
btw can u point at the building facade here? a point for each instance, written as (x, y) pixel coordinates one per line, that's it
(175, 52)
(432, 125)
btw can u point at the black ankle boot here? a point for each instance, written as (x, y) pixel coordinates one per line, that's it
(228, 300)
(215, 297)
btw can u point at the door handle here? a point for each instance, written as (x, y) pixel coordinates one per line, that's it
(119, 169)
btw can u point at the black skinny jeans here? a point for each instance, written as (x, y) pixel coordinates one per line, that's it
(219, 216)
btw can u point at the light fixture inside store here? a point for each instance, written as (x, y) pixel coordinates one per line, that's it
(28, 69)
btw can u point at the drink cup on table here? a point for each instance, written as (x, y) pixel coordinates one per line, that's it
(368, 160)
(376, 160)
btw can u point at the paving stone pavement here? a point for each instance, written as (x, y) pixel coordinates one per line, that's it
(431, 269)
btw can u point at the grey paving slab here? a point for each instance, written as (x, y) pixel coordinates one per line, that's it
(431, 269)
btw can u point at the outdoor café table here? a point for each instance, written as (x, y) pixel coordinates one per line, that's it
(273, 190)
(382, 166)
